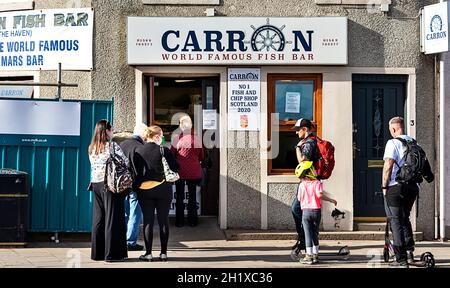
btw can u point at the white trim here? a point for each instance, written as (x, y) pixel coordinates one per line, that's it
(141, 115)
(223, 133)
(17, 5)
(263, 142)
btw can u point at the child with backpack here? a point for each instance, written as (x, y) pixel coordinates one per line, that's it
(310, 194)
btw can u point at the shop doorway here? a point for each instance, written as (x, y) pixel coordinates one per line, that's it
(376, 99)
(173, 96)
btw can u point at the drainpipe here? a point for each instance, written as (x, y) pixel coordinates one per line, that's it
(443, 144)
(442, 128)
(437, 147)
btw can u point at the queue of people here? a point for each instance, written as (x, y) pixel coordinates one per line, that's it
(151, 192)
(117, 216)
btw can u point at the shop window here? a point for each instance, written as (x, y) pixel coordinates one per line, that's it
(14, 5)
(291, 97)
(13, 91)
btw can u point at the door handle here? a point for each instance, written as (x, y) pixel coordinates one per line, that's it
(377, 193)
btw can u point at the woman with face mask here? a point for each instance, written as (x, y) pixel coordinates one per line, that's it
(109, 241)
(154, 192)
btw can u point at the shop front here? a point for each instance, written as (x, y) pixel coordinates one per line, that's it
(245, 81)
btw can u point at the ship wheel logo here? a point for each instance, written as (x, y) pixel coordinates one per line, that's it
(268, 37)
(436, 23)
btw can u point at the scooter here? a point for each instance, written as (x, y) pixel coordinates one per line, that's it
(342, 254)
(426, 259)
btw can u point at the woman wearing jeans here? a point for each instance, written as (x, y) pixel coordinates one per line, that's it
(310, 194)
(154, 192)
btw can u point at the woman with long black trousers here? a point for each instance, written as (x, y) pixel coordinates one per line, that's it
(188, 151)
(154, 192)
(109, 241)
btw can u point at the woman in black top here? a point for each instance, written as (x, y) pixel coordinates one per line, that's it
(154, 192)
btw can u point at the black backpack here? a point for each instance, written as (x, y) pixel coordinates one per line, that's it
(416, 166)
(118, 176)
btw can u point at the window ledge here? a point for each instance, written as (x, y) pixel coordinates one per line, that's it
(17, 5)
(352, 2)
(181, 2)
(282, 179)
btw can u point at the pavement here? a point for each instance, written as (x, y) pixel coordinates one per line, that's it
(206, 246)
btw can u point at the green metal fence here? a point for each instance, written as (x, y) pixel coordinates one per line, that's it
(59, 173)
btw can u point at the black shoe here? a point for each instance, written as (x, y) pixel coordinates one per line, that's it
(396, 264)
(295, 245)
(136, 247)
(146, 258)
(410, 256)
(192, 224)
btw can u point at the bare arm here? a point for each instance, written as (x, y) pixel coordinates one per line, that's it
(328, 199)
(300, 157)
(387, 173)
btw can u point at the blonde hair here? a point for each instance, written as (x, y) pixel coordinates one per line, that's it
(185, 123)
(152, 131)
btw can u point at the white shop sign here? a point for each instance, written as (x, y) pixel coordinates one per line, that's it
(244, 99)
(237, 40)
(19, 117)
(434, 28)
(40, 39)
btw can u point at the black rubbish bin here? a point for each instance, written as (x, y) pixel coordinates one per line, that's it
(14, 191)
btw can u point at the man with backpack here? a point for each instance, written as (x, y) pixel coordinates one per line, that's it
(133, 213)
(305, 151)
(321, 153)
(405, 165)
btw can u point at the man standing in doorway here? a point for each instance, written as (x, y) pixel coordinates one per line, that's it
(306, 150)
(399, 198)
(133, 213)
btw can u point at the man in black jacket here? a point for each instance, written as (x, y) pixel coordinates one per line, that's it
(133, 213)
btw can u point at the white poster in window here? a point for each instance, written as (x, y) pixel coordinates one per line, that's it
(244, 92)
(292, 102)
(209, 119)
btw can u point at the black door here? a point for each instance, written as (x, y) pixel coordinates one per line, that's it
(376, 99)
(210, 192)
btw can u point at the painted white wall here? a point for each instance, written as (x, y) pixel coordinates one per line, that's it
(337, 128)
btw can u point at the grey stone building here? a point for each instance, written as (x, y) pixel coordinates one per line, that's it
(383, 74)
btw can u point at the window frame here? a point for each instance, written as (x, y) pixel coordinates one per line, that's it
(285, 126)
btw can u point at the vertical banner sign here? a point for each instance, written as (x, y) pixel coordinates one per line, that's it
(244, 99)
(435, 28)
(40, 39)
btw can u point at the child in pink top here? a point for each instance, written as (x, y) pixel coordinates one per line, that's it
(310, 194)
